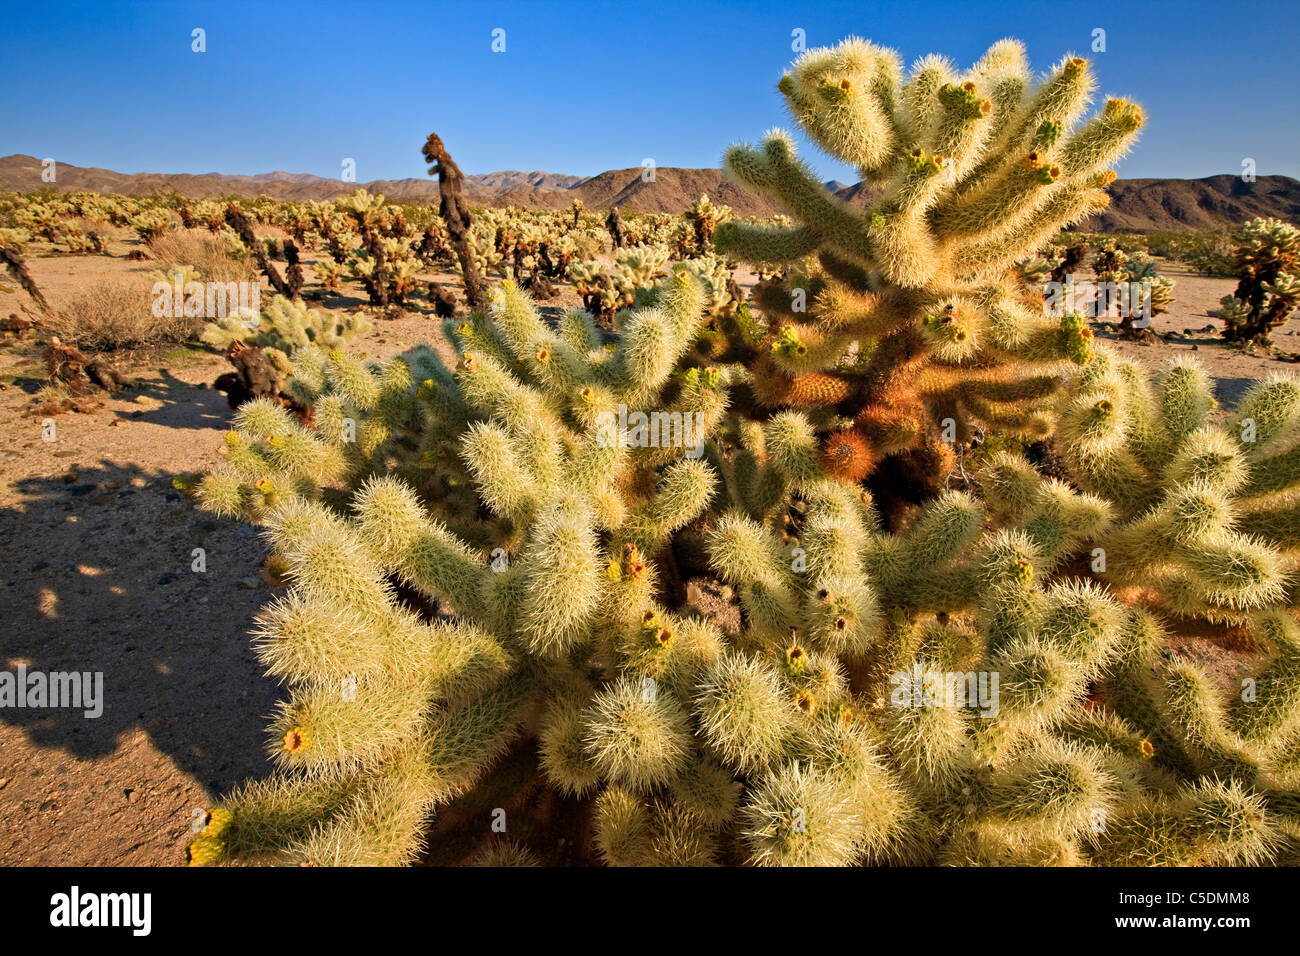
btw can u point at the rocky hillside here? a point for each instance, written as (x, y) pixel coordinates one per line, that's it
(1140, 205)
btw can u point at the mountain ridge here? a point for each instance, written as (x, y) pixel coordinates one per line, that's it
(1137, 205)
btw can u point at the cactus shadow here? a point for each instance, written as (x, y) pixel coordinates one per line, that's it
(100, 579)
(1228, 391)
(178, 404)
(338, 301)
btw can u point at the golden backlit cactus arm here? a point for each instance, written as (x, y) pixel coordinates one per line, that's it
(905, 315)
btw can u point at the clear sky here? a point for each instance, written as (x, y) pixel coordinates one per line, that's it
(583, 86)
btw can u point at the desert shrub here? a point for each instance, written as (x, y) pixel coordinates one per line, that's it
(209, 254)
(117, 314)
(1207, 251)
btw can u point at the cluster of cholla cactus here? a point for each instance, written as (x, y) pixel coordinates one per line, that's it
(704, 219)
(206, 213)
(152, 223)
(913, 321)
(605, 289)
(79, 242)
(41, 219)
(385, 264)
(1191, 518)
(586, 595)
(281, 329)
(1266, 257)
(1129, 287)
(533, 247)
(54, 221)
(479, 563)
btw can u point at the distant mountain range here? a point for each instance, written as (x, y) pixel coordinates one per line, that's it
(1138, 205)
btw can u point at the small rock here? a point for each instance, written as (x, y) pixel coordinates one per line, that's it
(249, 583)
(131, 795)
(4, 782)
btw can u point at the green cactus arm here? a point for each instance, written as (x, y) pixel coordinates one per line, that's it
(637, 737)
(756, 242)
(324, 725)
(742, 713)
(1208, 824)
(798, 816)
(262, 818)
(1268, 716)
(563, 584)
(623, 828)
(419, 549)
(1057, 791)
(683, 492)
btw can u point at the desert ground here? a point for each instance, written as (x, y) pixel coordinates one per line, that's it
(98, 546)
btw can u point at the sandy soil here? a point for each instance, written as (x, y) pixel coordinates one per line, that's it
(1189, 329)
(97, 550)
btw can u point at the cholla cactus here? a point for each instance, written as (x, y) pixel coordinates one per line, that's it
(1034, 270)
(1130, 287)
(704, 218)
(1140, 270)
(720, 288)
(411, 731)
(387, 269)
(335, 229)
(368, 212)
(930, 696)
(605, 290)
(181, 275)
(485, 567)
(330, 274)
(282, 328)
(83, 243)
(1197, 517)
(151, 224)
(205, 212)
(1267, 263)
(41, 219)
(641, 265)
(976, 171)
(14, 238)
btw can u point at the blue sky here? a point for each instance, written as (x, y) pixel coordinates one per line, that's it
(583, 87)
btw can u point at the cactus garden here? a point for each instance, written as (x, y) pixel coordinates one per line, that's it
(922, 523)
